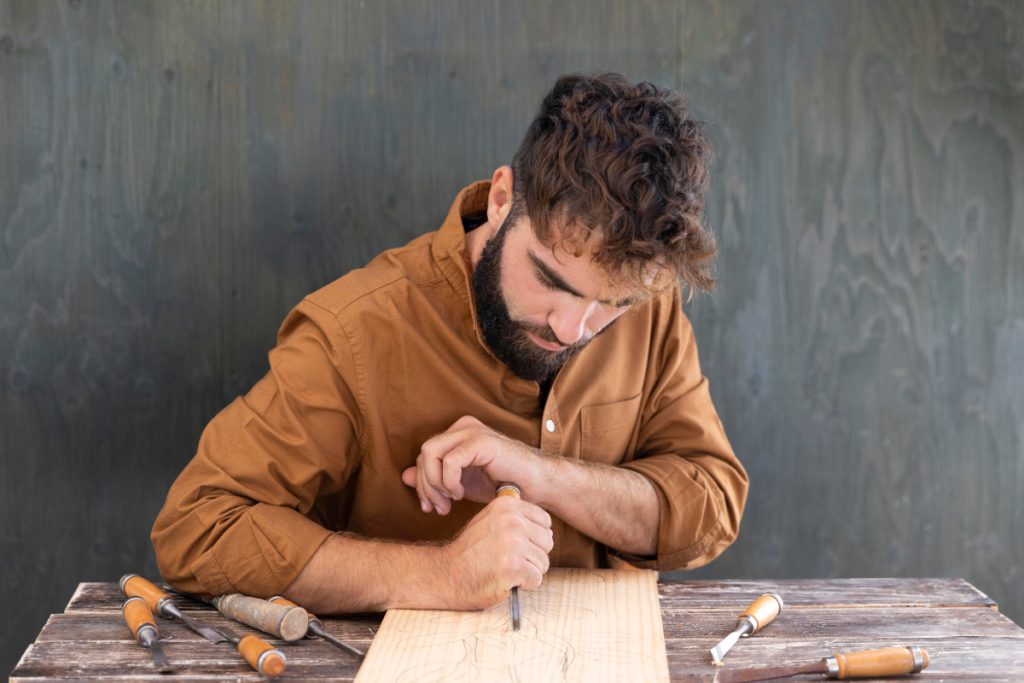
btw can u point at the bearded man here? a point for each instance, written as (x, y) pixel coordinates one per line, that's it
(537, 337)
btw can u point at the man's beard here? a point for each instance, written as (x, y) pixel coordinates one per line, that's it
(507, 337)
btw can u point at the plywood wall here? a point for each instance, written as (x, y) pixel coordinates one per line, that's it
(174, 176)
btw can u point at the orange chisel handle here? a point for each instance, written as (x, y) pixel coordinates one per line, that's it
(138, 616)
(133, 585)
(762, 612)
(890, 661)
(262, 656)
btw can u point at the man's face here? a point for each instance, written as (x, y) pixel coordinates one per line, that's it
(538, 308)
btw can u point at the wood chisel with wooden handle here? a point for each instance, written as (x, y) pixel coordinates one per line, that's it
(133, 585)
(891, 661)
(316, 628)
(507, 488)
(261, 655)
(143, 627)
(289, 623)
(760, 613)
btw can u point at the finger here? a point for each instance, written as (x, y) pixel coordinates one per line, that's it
(541, 537)
(430, 498)
(531, 575)
(430, 472)
(409, 476)
(535, 514)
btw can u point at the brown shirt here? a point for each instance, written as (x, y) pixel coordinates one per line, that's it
(372, 365)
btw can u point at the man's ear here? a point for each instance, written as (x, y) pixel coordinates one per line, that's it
(499, 199)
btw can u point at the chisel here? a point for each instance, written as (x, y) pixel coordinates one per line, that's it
(891, 661)
(133, 585)
(316, 628)
(507, 488)
(289, 623)
(261, 655)
(760, 613)
(143, 627)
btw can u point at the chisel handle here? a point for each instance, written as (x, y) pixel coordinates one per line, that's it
(262, 656)
(138, 616)
(314, 620)
(287, 623)
(890, 661)
(133, 585)
(762, 612)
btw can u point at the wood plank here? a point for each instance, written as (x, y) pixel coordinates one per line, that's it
(579, 625)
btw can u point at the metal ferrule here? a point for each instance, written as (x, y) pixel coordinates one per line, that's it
(146, 635)
(748, 624)
(918, 655)
(166, 608)
(833, 667)
(259, 662)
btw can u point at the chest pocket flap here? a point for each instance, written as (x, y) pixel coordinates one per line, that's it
(609, 430)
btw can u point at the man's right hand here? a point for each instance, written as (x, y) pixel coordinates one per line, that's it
(504, 546)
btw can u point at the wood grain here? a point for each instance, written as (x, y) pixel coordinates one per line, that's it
(965, 637)
(578, 625)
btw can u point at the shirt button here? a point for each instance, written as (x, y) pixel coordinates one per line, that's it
(549, 425)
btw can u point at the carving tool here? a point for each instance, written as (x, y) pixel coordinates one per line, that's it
(133, 585)
(143, 627)
(507, 488)
(289, 623)
(261, 655)
(760, 613)
(316, 628)
(891, 661)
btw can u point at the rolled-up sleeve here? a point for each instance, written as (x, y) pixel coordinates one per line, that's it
(683, 450)
(237, 518)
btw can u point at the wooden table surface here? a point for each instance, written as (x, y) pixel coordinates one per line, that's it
(960, 627)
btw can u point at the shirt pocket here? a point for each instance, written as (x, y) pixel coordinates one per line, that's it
(608, 430)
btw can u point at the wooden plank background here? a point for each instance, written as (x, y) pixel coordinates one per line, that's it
(174, 176)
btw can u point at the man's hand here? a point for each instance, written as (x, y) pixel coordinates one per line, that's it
(505, 545)
(466, 461)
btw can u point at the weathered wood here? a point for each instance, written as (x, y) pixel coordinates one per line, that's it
(870, 592)
(965, 638)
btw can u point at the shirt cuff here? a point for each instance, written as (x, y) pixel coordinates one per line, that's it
(267, 550)
(691, 531)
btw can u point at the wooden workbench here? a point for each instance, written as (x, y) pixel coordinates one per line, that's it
(960, 627)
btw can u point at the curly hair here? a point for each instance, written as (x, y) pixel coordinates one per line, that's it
(604, 154)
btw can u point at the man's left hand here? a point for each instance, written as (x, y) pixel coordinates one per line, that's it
(466, 461)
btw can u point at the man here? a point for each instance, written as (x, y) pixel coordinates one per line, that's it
(537, 338)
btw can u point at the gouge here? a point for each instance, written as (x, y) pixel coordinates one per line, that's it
(143, 627)
(133, 585)
(260, 655)
(289, 623)
(316, 628)
(891, 661)
(507, 488)
(760, 613)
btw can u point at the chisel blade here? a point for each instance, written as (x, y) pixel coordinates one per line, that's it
(160, 658)
(513, 608)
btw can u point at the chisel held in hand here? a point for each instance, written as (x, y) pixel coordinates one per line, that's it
(507, 488)
(760, 613)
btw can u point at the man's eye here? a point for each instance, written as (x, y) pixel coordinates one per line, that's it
(544, 280)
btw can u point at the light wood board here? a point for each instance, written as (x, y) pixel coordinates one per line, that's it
(579, 625)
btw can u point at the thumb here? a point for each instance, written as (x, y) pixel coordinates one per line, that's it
(409, 476)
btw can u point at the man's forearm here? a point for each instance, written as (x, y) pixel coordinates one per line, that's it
(612, 505)
(353, 574)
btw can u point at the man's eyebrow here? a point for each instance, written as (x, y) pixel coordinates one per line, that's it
(556, 280)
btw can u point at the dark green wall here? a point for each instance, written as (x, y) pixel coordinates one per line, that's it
(174, 176)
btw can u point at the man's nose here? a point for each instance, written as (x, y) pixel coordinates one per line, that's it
(570, 323)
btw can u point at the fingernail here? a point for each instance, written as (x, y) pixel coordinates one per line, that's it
(425, 505)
